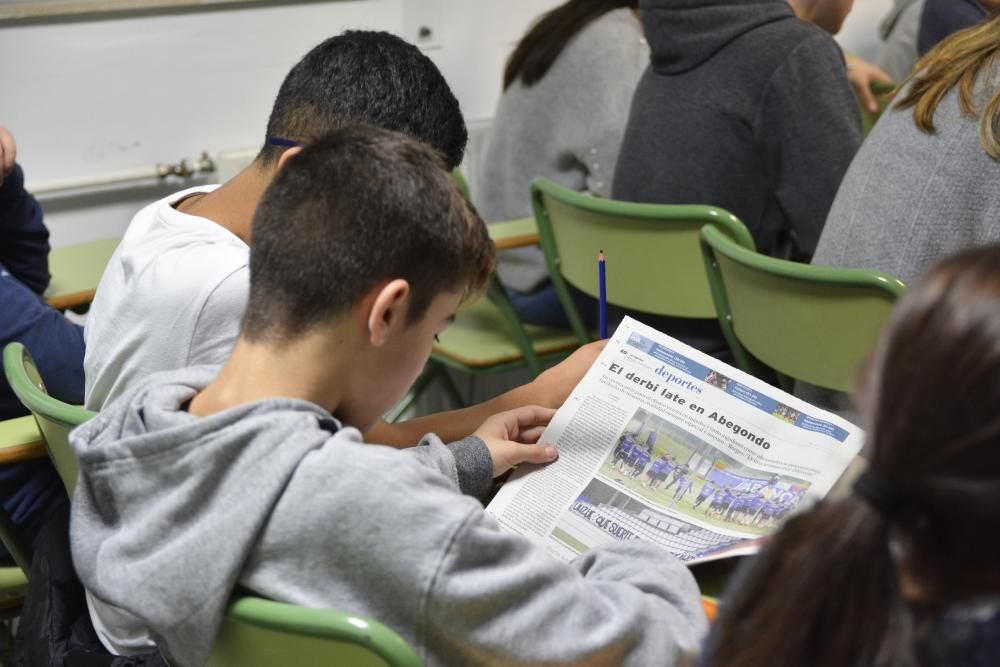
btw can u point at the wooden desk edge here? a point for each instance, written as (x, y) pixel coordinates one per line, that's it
(64, 301)
(25, 452)
(76, 299)
(519, 241)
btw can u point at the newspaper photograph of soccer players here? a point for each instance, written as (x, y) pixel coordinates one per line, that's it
(660, 461)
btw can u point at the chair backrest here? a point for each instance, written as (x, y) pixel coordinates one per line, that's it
(260, 633)
(55, 419)
(15, 546)
(653, 261)
(463, 185)
(811, 323)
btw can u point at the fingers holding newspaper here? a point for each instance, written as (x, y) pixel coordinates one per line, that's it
(512, 437)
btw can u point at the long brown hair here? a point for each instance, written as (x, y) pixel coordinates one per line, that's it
(958, 61)
(538, 49)
(826, 592)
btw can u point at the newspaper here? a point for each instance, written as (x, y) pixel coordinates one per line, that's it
(662, 443)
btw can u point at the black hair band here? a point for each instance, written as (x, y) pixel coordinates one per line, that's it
(278, 141)
(882, 496)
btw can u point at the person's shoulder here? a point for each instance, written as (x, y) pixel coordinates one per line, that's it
(808, 44)
(793, 30)
(159, 228)
(616, 34)
(617, 23)
(163, 245)
(792, 41)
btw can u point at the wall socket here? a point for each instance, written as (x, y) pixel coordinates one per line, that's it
(423, 23)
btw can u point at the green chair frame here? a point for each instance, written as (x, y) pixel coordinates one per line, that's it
(13, 586)
(461, 182)
(812, 323)
(55, 419)
(491, 327)
(13, 580)
(884, 93)
(257, 632)
(653, 259)
(19, 442)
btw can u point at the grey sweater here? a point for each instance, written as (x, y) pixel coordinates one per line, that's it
(567, 127)
(899, 31)
(173, 511)
(910, 198)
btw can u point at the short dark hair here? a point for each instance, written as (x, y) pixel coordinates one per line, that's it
(367, 77)
(357, 207)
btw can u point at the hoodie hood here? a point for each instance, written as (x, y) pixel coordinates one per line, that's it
(682, 34)
(184, 545)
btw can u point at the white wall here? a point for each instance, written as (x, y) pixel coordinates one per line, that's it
(91, 97)
(99, 96)
(860, 32)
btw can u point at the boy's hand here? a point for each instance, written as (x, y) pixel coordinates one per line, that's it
(511, 436)
(8, 153)
(554, 385)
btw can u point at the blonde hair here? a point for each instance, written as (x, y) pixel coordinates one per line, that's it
(958, 60)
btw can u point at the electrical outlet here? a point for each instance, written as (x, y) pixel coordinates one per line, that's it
(423, 23)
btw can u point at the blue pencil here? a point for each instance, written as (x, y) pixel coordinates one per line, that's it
(602, 288)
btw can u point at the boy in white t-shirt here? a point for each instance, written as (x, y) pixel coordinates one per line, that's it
(174, 292)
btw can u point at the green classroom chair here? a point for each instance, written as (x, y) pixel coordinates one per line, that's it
(654, 263)
(461, 182)
(883, 95)
(812, 323)
(13, 579)
(54, 418)
(487, 337)
(260, 633)
(13, 586)
(19, 441)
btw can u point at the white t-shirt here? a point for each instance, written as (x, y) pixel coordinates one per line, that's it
(172, 296)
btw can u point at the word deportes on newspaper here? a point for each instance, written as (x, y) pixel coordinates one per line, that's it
(662, 443)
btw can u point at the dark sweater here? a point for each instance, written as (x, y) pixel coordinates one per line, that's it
(30, 492)
(941, 18)
(744, 107)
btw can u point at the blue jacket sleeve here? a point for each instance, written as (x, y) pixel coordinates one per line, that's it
(54, 342)
(24, 240)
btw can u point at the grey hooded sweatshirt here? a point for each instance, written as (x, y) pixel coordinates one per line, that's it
(173, 511)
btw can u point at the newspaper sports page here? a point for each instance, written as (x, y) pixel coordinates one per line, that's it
(662, 443)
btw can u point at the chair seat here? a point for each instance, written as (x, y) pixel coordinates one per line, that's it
(13, 585)
(480, 338)
(20, 440)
